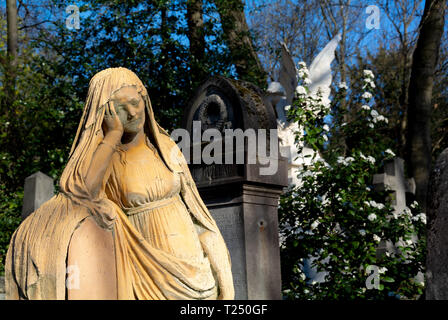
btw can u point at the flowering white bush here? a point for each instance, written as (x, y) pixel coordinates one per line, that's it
(336, 217)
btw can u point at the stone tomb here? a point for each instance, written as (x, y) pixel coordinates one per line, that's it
(241, 199)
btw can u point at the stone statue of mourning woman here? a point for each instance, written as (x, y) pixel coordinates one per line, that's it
(128, 222)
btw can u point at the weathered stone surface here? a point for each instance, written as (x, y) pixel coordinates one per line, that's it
(230, 221)
(2, 288)
(38, 188)
(437, 241)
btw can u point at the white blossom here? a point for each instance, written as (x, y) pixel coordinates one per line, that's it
(302, 64)
(407, 212)
(326, 127)
(362, 232)
(365, 107)
(287, 107)
(376, 238)
(341, 160)
(343, 85)
(371, 125)
(300, 90)
(315, 224)
(367, 95)
(382, 270)
(307, 81)
(382, 118)
(368, 74)
(390, 152)
(303, 73)
(379, 206)
(421, 217)
(371, 217)
(345, 161)
(368, 82)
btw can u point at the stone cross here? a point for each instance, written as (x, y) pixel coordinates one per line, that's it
(393, 179)
(38, 189)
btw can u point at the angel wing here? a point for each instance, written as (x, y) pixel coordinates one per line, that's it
(320, 69)
(288, 73)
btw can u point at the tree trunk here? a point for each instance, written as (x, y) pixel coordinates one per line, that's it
(236, 32)
(195, 23)
(11, 64)
(418, 139)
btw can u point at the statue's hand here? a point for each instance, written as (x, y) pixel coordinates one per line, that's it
(112, 123)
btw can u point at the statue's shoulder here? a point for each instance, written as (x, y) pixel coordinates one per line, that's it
(172, 149)
(165, 136)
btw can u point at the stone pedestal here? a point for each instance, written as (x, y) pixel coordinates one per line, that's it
(39, 188)
(246, 214)
(242, 199)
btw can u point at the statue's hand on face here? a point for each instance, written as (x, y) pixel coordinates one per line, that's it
(130, 109)
(112, 122)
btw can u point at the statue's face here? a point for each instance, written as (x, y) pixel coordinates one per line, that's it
(130, 108)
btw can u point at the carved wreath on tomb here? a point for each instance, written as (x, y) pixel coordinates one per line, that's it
(213, 114)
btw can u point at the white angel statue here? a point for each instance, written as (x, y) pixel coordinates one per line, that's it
(281, 95)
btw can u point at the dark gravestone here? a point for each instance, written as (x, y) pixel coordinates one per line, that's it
(2, 288)
(437, 235)
(242, 199)
(39, 188)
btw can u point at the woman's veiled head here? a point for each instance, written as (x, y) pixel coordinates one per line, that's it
(104, 85)
(130, 108)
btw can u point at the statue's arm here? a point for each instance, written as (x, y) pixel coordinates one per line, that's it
(215, 248)
(103, 153)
